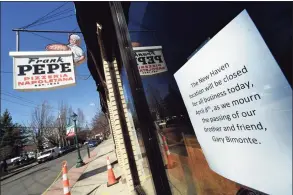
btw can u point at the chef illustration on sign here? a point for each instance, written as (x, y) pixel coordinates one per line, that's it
(73, 45)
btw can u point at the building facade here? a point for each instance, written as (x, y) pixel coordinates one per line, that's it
(161, 143)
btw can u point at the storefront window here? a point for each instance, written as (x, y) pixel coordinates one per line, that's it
(181, 29)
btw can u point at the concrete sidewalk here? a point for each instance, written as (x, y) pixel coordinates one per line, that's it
(94, 179)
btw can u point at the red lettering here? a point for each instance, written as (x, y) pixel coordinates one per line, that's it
(51, 81)
(56, 76)
(26, 78)
(37, 77)
(33, 82)
(65, 75)
(50, 76)
(44, 77)
(40, 81)
(60, 80)
(20, 83)
(70, 79)
(27, 83)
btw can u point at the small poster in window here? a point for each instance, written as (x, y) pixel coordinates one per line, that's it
(150, 60)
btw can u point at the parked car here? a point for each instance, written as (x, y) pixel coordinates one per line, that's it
(31, 155)
(101, 139)
(71, 148)
(14, 161)
(93, 143)
(64, 150)
(23, 159)
(48, 155)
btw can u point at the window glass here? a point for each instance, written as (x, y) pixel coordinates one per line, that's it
(181, 29)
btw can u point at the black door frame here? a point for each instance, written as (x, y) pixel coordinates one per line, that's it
(148, 129)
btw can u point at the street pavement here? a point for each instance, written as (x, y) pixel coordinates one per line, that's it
(37, 179)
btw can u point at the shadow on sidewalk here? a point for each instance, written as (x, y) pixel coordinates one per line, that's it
(92, 173)
(93, 190)
(95, 171)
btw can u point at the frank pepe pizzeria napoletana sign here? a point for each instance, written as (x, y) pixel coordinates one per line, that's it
(33, 71)
(150, 60)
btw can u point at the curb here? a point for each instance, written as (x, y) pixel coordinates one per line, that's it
(73, 175)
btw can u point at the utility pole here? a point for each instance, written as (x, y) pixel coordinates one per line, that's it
(17, 40)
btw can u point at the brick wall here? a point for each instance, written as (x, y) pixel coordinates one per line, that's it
(116, 127)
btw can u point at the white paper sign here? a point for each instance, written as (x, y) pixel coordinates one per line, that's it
(150, 60)
(34, 71)
(240, 105)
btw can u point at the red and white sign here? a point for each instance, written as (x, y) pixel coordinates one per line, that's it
(70, 131)
(150, 60)
(33, 71)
